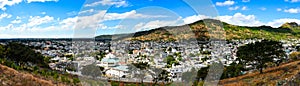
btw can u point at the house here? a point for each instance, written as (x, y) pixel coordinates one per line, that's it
(109, 60)
(118, 71)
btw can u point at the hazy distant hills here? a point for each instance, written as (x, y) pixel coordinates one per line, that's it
(211, 29)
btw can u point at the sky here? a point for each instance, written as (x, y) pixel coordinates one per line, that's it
(89, 18)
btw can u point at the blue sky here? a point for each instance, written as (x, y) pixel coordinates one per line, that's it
(88, 18)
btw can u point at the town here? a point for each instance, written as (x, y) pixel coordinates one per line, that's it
(117, 59)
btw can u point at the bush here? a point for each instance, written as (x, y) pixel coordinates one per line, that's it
(64, 79)
(76, 80)
(294, 56)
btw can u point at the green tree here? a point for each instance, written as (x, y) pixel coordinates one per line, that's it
(259, 53)
(23, 55)
(2, 51)
(201, 74)
(170, 61)
(141, 65)
(100, 55)
(233, 70)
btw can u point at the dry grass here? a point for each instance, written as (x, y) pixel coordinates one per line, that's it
(11, 77)
(269, 78)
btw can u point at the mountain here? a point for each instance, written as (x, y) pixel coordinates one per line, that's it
(203, 29)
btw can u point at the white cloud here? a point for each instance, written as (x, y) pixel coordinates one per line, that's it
(116, 27)
(130, 15)
(240, 19)
(234, 8)
(24, 35)
(43, 13)
(194, 18)
(102, 26)
(244, 8)
(279, 9)
(4, 3)
(90, 22)
(245, 0)
(94, 21)
(86, 11)
(16, 21)
(68, 23)
(29, 1)
(5, 15)
(73, 13)
(263, 8)
(226, 3)
(117, 3)
(279, 22)
(156, 24)
(292, 1)
(292, 10)
(245, 20)
(6, 27)
(37, 20)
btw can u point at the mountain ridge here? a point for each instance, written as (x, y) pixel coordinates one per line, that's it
(201, 31)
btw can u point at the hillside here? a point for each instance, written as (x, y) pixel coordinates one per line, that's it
(11, 77)
(199, 30)
(286, 74)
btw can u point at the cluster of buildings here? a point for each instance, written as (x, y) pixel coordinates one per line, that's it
(117, 57)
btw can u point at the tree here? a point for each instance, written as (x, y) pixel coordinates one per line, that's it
(2, 50)
(259, 53)
(233, 70)
(100, 55)
(201, 74)
(23, 55)
(170, 61)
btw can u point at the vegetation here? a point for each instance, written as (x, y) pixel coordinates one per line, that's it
(170, 60)
(294, 56)
(22, 55)
(233, 70)
(163, 76)
(24, 59)
(258, 54)
(199, 30)
(284, 75)
(100, 55)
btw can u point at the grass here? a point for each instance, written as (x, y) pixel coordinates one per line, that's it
(12, 77)
(271, 76)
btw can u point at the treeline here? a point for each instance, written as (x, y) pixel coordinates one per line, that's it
(22, 55)
(22, 58)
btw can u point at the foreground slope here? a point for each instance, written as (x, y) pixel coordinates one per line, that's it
(287, 74)
(11, 77)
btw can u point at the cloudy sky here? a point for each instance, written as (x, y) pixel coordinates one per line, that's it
(88, 18)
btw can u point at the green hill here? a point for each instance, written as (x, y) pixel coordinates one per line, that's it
(203, 29)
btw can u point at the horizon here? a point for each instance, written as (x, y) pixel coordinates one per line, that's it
(91, 18)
